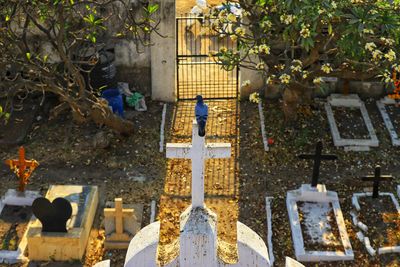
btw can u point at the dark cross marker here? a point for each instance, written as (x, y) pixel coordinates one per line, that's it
(317, 157)
(377, 178)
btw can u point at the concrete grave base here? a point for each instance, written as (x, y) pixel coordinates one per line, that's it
(16, 198)
(388, 122)
(289, 262)
(71, 245)
(338, 100)
(142, 251)
(364, 228)
(105, 263)
(131, 226)
(319, 194)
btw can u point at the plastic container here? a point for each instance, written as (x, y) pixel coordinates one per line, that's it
(114, 99)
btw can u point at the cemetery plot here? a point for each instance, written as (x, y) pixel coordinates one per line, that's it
(391, 116)
(13, 223)
(379, 222)
(349, 122)
(318, 229)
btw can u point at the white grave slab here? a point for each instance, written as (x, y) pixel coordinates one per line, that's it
(364, 228)
(318, 194)
(386, 118)
(338, 100)
(16, 198)
(198, 239)
(105, 263)
(292, 263)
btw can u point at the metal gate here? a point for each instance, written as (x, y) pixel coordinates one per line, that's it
(197, 71)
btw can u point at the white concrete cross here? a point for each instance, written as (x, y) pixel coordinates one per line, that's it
(198, 152)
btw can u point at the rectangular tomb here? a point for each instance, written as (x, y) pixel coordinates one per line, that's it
(71, 245)
(393, 129)
(378, 220)
(350, 101)
(318, 229)
(15, 218)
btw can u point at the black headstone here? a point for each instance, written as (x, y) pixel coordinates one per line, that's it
(376, 178)
(53, 215)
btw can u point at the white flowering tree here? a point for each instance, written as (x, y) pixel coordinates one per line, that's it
(295, 43)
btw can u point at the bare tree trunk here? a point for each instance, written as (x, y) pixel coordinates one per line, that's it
(293, 97)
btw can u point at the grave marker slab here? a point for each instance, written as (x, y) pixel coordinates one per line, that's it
(52, 215)
(338, 100)
(121, 223)
(60, 246)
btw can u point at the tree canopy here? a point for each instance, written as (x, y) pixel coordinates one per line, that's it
(297, 42)
(42, 43)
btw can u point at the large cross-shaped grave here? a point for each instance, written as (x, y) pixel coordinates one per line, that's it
(377, 217)
(198, 242)
(198, 151)
(314, 213)
(317, 157)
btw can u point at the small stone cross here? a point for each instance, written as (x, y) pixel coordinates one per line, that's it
(377, 178)
(317, 157)
(198, 152)
(119, 213)
(22, 168)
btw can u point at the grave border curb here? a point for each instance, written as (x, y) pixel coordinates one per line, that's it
(387, 120)
(292, 197)
(356, 205)
(17, 256)
(352, 144)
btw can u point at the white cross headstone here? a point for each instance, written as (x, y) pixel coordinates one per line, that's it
(198, 152)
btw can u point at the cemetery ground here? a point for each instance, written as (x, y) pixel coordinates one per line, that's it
(134, 169)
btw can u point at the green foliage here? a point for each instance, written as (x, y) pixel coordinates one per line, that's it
(4, 115)
(300, 41)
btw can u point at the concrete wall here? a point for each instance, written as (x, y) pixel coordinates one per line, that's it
(163, 53)
(133, 66)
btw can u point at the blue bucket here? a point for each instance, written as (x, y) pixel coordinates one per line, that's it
(114, 99)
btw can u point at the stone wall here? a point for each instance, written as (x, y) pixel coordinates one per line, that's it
(133, 66)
